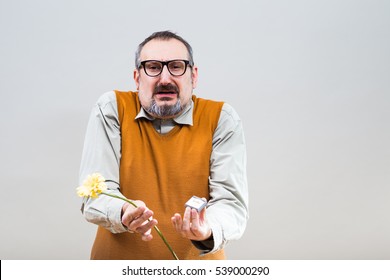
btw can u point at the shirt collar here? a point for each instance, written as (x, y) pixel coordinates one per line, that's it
(184, 118)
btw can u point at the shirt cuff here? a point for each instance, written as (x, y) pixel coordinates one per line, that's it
(204, 246)
(214, 243)
(114, 216)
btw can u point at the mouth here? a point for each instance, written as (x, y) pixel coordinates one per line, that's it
(166, 91)
(165, 95)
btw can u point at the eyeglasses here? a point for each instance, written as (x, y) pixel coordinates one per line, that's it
(176, 67)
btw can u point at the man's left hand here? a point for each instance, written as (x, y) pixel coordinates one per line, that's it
(193, 225)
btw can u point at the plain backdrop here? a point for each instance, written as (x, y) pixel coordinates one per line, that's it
(310, 80)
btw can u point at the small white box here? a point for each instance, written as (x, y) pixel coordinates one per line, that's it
(196, 203)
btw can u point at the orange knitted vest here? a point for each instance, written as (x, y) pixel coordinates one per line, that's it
(164, 171)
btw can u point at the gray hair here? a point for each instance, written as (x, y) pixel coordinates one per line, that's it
(164, 111)
(163, 36)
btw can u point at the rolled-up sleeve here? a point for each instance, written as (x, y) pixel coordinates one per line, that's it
(102, 154)
(227, 210)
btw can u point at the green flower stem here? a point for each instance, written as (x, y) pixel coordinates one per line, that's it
(155, 227)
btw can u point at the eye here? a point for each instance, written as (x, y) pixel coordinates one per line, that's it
(153, 66)
(176, 65)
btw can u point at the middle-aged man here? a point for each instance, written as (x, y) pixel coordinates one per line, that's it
(160, 146)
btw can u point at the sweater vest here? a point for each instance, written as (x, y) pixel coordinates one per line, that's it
(164, 171)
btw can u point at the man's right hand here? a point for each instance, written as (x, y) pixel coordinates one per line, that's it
(138, 220)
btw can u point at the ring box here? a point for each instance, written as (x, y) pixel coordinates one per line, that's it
(196, 203)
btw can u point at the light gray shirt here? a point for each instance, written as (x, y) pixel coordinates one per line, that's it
(227, 209)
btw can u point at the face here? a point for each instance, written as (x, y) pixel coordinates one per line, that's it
(165, 96)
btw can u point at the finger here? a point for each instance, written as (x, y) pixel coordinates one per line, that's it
(177, 222)
(138, 222)
(179, 225)
(131, 214)
(147, 237)
(146, 227)
(186, 219)
(194, 221)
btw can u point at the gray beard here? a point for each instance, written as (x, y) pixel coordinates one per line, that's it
(164, 111)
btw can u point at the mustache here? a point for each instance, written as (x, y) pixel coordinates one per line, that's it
(168, 87)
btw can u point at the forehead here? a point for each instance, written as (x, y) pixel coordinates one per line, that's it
(164, 50)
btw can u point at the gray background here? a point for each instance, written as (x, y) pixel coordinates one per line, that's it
(310, 80)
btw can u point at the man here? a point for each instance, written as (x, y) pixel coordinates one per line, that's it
(159, 147)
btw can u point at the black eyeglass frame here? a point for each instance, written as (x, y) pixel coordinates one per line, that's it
(186, 62)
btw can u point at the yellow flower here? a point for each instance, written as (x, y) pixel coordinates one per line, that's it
(92, 186)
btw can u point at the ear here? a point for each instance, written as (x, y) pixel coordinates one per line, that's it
(194, 75)
(136, 78)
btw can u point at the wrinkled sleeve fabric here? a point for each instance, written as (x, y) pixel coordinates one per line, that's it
(227, 210)
(101, 153)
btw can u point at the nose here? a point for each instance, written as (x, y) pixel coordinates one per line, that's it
(165, 76)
